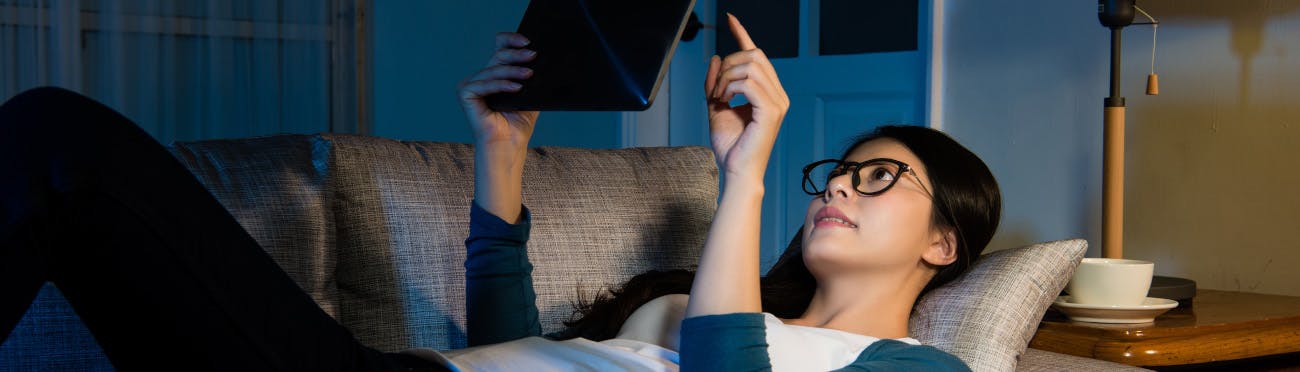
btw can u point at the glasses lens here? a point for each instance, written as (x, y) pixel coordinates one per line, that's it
(876, 177)
(818, 175)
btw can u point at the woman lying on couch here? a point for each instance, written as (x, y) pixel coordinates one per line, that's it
(165, 278)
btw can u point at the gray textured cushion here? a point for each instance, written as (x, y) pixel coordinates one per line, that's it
(1034, 360)
(276, 188)
(988, 315)
(51, 337)
(599, 217)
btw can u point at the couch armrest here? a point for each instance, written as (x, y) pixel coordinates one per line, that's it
(1041, 360)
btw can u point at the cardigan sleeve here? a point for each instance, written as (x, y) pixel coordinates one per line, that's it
(893, 355)
(726, 342)
(500, 302)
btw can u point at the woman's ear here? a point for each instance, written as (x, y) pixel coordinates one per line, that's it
(943, 248)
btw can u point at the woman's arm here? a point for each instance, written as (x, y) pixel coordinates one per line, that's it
(723, 330)
(500, 138)
(742, 139)
(499, 295)
(500, 303)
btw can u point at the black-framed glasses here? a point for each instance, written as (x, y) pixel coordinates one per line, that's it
(871, 177)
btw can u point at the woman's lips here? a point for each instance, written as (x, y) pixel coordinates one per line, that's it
(829, 216)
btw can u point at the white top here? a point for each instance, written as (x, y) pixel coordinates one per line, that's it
(578, 354)
(790, 347)
(803, 348)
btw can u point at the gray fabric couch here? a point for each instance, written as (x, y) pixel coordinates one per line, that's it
(373, 230)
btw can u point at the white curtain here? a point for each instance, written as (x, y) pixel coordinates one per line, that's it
(193, 69)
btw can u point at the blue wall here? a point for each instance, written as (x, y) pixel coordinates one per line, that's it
(1210, 162)
(1026, 96)
(422, 49)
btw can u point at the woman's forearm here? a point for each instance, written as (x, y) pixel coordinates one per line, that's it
(500, 137)
(500, 303)
(742, 137)
(498, 178)
(728, 276)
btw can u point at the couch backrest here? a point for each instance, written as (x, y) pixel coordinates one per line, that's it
(277, 188)
(373, 229)
(599, 217)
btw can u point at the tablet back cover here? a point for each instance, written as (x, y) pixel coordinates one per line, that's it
(596, 55)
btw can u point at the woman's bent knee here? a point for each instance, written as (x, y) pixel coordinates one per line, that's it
(60, 117)
(43, 99)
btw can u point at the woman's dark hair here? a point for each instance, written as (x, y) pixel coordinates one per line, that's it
(966, 200)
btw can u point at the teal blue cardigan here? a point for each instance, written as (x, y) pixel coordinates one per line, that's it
(501, 306)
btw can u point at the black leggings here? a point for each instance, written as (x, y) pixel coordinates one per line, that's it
(159, 271)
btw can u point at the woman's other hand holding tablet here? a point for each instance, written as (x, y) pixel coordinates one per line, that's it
(501, 138)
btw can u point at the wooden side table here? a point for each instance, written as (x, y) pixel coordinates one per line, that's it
(1219, 326)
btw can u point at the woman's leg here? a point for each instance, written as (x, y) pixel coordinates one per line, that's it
(159, 271)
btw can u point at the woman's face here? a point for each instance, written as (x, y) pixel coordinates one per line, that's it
(846, 232)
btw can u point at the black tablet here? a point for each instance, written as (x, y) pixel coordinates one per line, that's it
(596, 55)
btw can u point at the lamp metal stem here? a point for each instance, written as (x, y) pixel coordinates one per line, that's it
(1116, 36)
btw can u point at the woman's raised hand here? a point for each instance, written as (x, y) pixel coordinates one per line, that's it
(743, 136)
(501, 75)
(501, 138)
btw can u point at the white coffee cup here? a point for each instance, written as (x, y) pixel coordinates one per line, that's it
(1110, 281)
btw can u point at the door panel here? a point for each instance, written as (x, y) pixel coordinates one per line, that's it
(820, 126)
(832, 99)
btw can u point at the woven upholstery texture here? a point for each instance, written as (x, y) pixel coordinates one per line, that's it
(599, 217)
(398, 221)
(51, 337)
(987, 316)
(1034, 360)
(276, 189)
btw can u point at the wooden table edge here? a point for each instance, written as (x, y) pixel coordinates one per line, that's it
(1176, 346)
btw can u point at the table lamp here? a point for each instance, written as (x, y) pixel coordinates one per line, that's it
(1115, 15)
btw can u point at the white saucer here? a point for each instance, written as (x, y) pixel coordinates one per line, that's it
(1147, 312)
